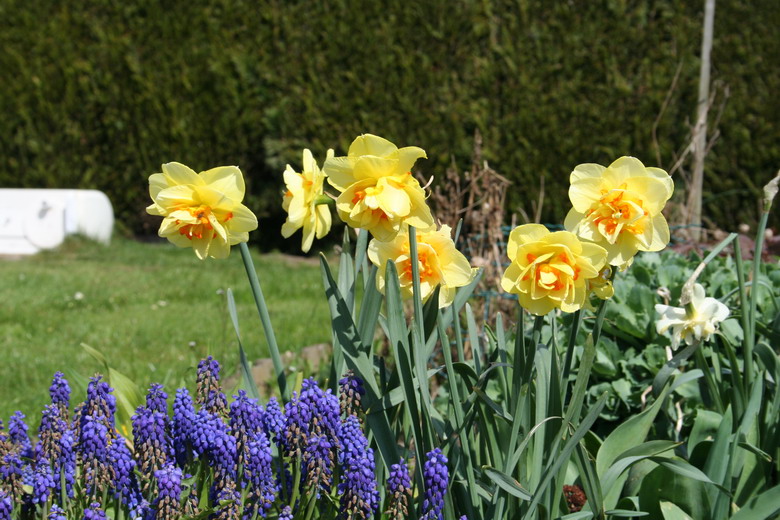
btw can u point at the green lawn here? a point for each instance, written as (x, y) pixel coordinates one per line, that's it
(153, 310)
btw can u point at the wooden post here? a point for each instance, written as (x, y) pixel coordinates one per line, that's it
(700, 129)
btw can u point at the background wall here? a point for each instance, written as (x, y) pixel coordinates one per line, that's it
(97, 94)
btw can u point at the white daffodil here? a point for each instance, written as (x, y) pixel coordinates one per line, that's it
(697, 322)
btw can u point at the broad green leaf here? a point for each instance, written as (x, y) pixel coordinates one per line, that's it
(672, 512)
(507, 483)
(625, 513)
(624, 437)
(662, 484)
(764, 505)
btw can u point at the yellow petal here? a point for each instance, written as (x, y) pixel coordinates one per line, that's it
(651, 191)
(524, 234)
(339, 172)
(180, 195)
(660, 234)
(177, 173)
(394, 201)
(243, 220)
(157, 183)
(323, 220)
(586, 171)
(369, 144)
(584, 193)
(407, 156)
(664, 177)
(226, 180)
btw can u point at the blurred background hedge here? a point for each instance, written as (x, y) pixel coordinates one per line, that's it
(97, 94)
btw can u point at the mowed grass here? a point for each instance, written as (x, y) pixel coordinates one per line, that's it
(152, 310)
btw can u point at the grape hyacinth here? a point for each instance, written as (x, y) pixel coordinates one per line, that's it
(297, 417)
(50, 433)
(183, 426)
(399, 490)
(273, 421)
(168, 505)
(60, 394)
(122, 472)
(351, 391)
(94, 512)
(100, 403)
(358, 492)
(325, 414)
(228, 498)
(157, 399)
(209, 391)
(56, 513)
(286, 513)
(246, 420)
(259, 474)
(151, 439)
(11, 474)
(93, 449)
(43, 481)
(318, 463)
(436, 478)
(17, 434)
(7, 505)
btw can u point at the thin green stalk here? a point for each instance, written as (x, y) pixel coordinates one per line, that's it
(262, 309)
(519, 355)
(746, 317)
(750, 339)
(575, 327)
(602, 312)
(711, 386)
(737, 385)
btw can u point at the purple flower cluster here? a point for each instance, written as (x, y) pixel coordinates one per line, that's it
(436, 478)
(168, 505)
(351, 391)
(249, 461)
(399, 490)
(359, 496)
(7, 506)
(209, 391)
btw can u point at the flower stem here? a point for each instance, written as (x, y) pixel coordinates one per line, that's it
(262, 309)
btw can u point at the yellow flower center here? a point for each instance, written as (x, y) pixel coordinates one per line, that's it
(618, 210)
(197, 230)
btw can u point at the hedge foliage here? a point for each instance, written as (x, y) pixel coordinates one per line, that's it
(97, 94)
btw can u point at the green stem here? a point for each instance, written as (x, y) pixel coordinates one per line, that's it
(738, 404)
(262, 309)
(602, 312)
(575, 327)
(750, 339)
(711, 386)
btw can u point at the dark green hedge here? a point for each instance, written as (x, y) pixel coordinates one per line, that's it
(99, 93)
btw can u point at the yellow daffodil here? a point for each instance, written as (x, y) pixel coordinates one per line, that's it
(439, 263)
(550, 270)
(698, 321)
(201, 210)
(378, 191)
(300, 201)
(619, 207)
